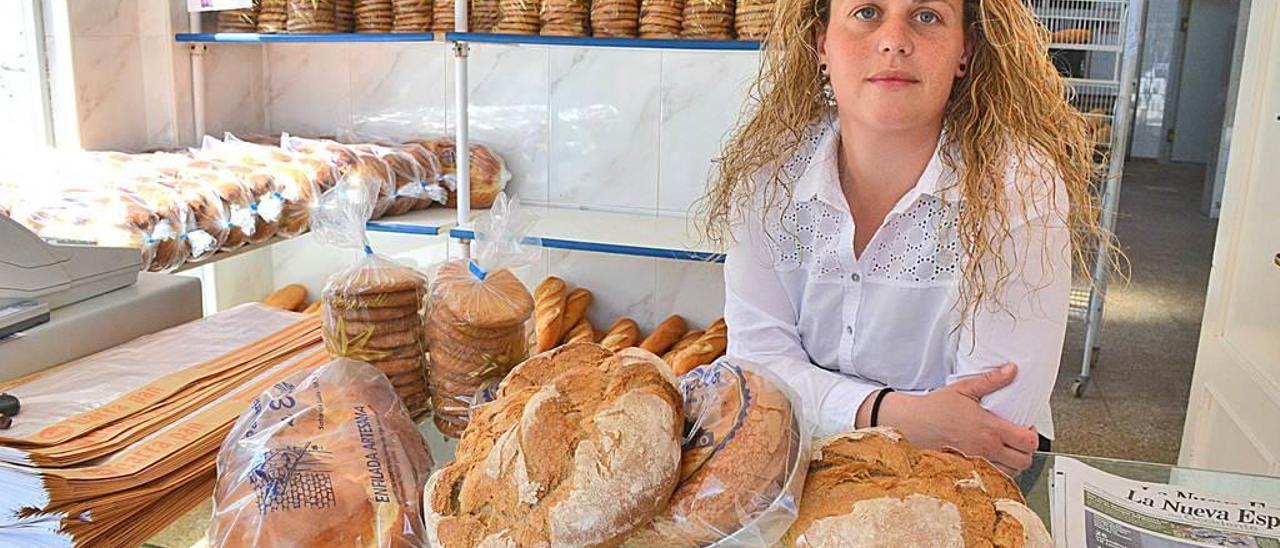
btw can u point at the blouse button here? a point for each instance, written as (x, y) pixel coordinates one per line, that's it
(855, 277)
(848, 329)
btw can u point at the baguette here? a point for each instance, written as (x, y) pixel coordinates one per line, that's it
(549, 306)
(684, 342)
(582, 331)
(665, 335)
(575, 308)
(710, 346)
(623, 334)
(290, 297)
(314, 308)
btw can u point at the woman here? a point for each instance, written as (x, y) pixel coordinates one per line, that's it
(903, 201)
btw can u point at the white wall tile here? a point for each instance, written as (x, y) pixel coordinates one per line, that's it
(507, 110)
(159, 87)
(103, 17)
(702, 96)
(309, 88)
(154, 18)
(397, 91)
(234, 90)
(604, 127)
(691, 289)
(623, 286)
(110, 104)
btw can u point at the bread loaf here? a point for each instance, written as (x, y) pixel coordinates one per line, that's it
(623, 333)
(583, 331)
(489, 175)
(665, 335)
(708, 347)
(1072, 36)
(871, 487)
(742, 445)
(684, 342)
(580, 448)
(327, 457)
(289, 297)
(576, 304)
(549, 313)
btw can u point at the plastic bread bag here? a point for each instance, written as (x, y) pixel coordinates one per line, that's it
(295, 184)
(208, 224)
(745, 455)
(489, 175)
(235, 194)
(435, 186)
(615, 18)
(170, 235)
(407, 177)
(349, 164)
(708, 19)
(327, 457)
(477, 315)
(371, 311)
(267, 203)
(565, 18)
(101, 215)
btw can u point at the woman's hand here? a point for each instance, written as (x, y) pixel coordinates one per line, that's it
(954, 417)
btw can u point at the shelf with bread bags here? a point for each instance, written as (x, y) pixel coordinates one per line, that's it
(605, 42)
(612, 232)
(304, 38)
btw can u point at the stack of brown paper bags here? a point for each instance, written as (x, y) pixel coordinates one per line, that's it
(111, 448)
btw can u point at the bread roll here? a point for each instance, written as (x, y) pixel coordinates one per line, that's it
(665, 335)
(489, 175)
(580, 448)
(863, 486)
(549, 313)
(289, 297)
(313, 308)
(623, 333)
(583, 331)
(706, 349)
(684, 342)
(575, 308)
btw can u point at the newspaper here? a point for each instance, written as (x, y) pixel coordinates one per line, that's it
(1094, 509)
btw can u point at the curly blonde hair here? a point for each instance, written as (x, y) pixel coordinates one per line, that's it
(1012, 103)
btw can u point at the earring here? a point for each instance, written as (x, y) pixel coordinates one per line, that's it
(828, 92)
(963, 68)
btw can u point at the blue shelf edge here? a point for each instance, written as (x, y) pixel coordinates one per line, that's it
(613, 249)
(254, 38)
(655, 43)
(401, 228)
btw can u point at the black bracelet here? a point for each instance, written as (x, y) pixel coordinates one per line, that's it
(875, 406)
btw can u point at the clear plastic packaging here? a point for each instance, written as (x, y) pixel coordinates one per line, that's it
(661, 18)
(477, 316)
(268, 202)
(615, 18)
(745, 456)
(708, 19)
(169, 236)
(518, 16)
(102, 215)
(236, 196)
(565, 18)
(752, 19)
(489, 175)
(349, 164)
(408, 177)
(372, 311)
(327, 457)
(297, 185)
(436, 186)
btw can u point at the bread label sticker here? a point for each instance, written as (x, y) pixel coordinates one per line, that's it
(293, 478)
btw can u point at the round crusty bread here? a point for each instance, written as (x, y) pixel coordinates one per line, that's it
(863, 485)
(742, 438)
(499, 300)
(580, 457)
(341, 465)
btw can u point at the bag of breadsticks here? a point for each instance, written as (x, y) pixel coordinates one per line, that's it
(743, 461)
(326, 457)
(371, 311)
(477, 315)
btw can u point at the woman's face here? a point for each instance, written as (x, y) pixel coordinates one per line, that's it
(892, 62)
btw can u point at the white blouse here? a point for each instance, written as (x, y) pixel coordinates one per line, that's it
(836, 328)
